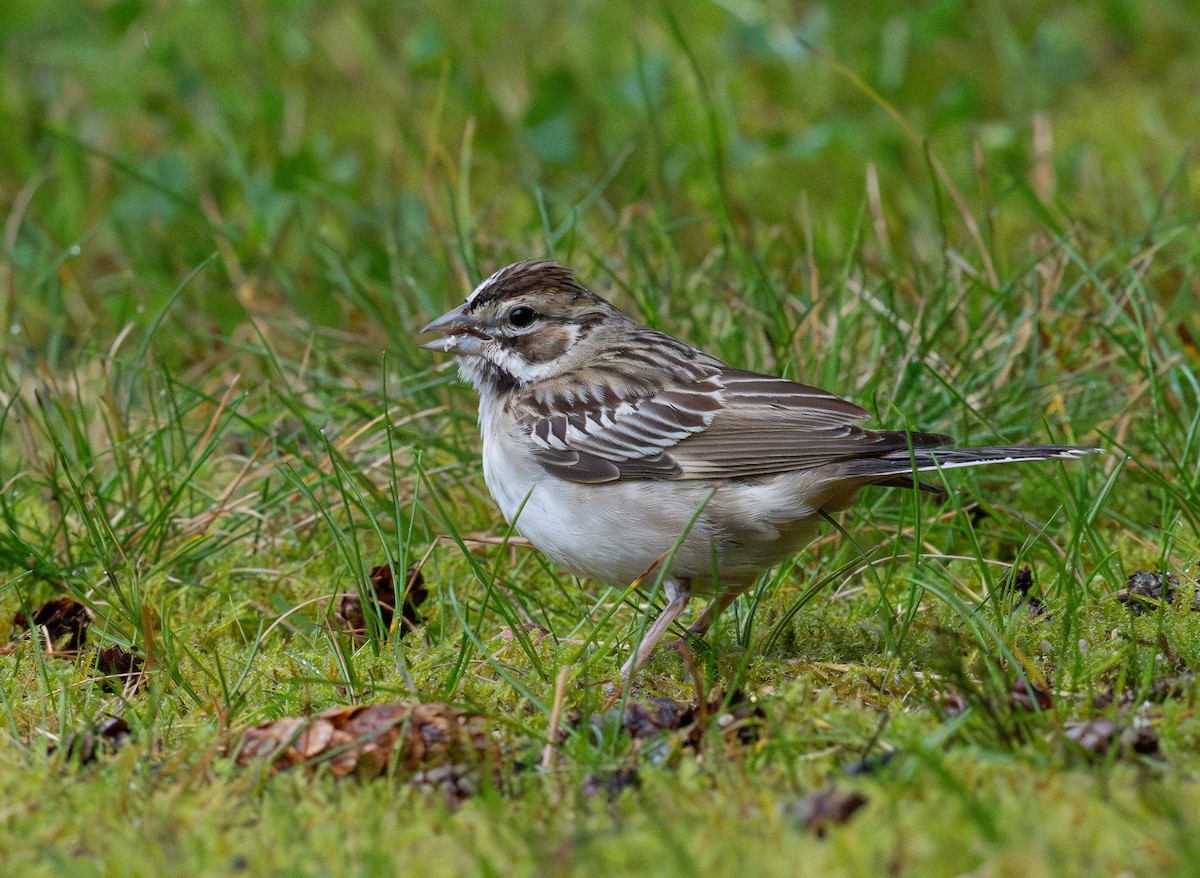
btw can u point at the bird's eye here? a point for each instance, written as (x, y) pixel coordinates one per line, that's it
(521, 316)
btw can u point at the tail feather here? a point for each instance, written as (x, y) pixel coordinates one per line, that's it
(888, 468)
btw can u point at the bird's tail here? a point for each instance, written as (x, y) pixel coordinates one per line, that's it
(896, 467)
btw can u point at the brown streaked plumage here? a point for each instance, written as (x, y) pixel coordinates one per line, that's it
(618, 445)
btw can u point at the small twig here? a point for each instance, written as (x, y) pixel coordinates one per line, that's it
(550, 751)
(681, 647)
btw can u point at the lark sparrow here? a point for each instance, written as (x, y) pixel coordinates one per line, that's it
(610, 445)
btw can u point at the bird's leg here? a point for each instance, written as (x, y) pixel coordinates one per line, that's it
(678, 593)
(714, 609)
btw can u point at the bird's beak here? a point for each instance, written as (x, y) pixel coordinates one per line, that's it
(459, 333)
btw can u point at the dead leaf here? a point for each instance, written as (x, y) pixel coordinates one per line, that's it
(1017, 583)
(649, 719)
(1095, 736)
(416, 739)
(954, 703)
(868, 765)
(454, 782)
(109, 736)
(612, 783)
(1099, 735)
(350, 614)
(658, 718)
(1143, 740)
(742, 721)
(826, 807)
(1031, 695)
(63, 622)
(536, 633)
(120, 670)
(1145, 591)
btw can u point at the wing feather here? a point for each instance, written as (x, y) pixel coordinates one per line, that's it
(702, 420)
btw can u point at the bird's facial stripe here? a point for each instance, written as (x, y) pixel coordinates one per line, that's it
(542, 343)
(531, 356)
(516, 366)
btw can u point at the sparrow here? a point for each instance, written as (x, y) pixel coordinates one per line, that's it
(627, 455)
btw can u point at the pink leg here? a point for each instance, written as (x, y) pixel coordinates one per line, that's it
(678, 594)
(714, 609)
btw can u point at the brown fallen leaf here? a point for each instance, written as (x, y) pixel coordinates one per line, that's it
(649, 719)
(351, 617)
(1145, 591)
(870, 764)
(656, 718)
(1031, 695)
(1143, 740)
(454, 782)
(365, 741)
(953, 702)
(1099, 735)
(742, 721)
(1017, 583)
(823, 808)
(63, 622)
(1095, 736)
(109, 736)
(120, 670)
(1181, 685)
(535, 632)
(612, 783)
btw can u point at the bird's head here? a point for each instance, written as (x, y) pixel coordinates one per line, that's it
(528, 322)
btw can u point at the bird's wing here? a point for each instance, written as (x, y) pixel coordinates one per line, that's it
(771, 425)
(702, 420)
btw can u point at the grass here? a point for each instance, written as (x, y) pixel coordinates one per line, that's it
(222, 227)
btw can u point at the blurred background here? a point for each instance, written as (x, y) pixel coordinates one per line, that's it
(356, 166)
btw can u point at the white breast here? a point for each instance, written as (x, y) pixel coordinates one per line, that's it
(617, 531)
(612, 532)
